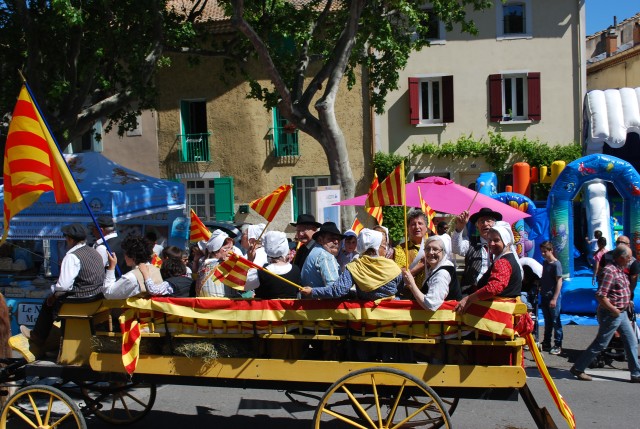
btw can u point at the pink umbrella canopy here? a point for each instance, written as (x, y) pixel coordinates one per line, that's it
(446, 196)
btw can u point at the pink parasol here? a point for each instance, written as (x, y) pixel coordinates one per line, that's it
(446, 196)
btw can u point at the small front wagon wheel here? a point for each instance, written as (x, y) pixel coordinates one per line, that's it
(381, 398)
(119, 403)
(41, 407)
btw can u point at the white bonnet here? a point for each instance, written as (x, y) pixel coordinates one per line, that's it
(504, 229)
(369, 239)
(254, 231)
(217, 240)
(202, 245)
(275, 244)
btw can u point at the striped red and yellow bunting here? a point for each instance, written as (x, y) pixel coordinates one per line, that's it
(268, 206)
(197, 230)
(391, 192)
(130, 329)
(356, 226)
(428, 211)
(376, 212)
(32, 162)
(233, 271)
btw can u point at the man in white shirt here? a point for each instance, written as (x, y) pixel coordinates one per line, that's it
(108, 228)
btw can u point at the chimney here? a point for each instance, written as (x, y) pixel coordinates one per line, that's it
(636, 33)
(611, 41)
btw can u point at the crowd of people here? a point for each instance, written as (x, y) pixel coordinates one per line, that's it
(322, 262)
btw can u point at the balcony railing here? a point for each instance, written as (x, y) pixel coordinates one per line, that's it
(194, 147)
(285, 141)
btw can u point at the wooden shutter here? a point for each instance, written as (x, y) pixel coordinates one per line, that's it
(495, 98)
(414, 100)
(223, 196)
(533, 96)
(447, 99)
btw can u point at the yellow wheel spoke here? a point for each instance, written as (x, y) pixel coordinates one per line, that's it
(409, 417)
(49, 407)
(356, 403)
(70, 413)
(18, 412)
(394, 409)
(343, 418)
(36, 412)
(377, 399)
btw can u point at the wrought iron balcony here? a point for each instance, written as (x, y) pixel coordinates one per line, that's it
(194, 147)
(285, 141)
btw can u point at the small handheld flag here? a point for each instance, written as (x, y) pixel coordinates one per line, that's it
(376, 212)
(197, 230)
(233, 271)
(268, 206)
(428, 211)
(391, 192)
(356, 226)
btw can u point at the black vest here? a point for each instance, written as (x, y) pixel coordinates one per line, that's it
(302, 253)
(454, 286)
(272, 287)
(472, 266)
(181, 286)
(514, 286)
(90, 278)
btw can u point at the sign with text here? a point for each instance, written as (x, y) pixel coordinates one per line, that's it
(27, 313)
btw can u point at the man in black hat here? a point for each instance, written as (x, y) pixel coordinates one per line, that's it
(81, 275)
(108, 229)
(475, 252)
(306, 226)
(321, 266)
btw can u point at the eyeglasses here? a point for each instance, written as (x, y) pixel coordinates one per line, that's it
(623, 242)
(432, 250)
(486, 220)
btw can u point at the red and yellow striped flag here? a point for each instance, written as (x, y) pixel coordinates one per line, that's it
(32, 163)
(428, 211)
(197, 230)
(391, 191)
(356, 226)
(233, 271)
(376, 212)
(268, 206)
(130, 328)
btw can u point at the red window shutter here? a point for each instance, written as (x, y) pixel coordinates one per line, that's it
(447, 99)
(495, 98)
(414, 100)
(534, 99)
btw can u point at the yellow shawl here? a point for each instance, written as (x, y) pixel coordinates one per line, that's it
(369, 273)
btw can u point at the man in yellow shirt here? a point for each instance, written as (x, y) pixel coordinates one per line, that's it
(417, 230)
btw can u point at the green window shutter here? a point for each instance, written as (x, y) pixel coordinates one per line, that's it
(276, 129)
(224, 198)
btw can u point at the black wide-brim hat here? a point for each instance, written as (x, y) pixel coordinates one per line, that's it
(485, 212)
(328, 228)
(306, 219)
(105, 221)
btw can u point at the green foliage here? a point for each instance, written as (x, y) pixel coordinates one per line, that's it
(501, 153)
(384, 164)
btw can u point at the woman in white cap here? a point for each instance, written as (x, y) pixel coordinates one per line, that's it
(504, 277)
(267, 286)
(249, 241)
(441, 282)
(373, 275)
(347, 251)
(218, 247)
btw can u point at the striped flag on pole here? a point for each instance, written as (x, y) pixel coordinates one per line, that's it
(376, 212)
(32, 162)
(356, 226)
(391, 191)
(197, 230)
(268, 206)
(428, 211)
(233, 271)
(130, 329)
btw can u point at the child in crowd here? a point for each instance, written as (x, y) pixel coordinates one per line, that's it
(592, 245)
(597, 257)
(347, 250)
(550, 292)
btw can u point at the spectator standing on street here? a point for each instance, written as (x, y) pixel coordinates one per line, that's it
(551, 298)
(614, 297)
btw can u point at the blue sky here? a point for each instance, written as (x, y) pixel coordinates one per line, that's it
(600, 13)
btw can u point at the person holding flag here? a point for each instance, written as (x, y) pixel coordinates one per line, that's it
(208, 285)
(413, 253)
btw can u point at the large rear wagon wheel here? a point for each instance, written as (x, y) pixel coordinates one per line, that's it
(381, 398)
(119, 403)
(41, 407)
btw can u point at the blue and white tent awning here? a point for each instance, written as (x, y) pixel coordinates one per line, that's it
(109, 189)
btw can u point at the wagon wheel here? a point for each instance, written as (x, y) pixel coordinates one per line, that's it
(119, 403)
(40, 406)
(450, 405)
(381, 398)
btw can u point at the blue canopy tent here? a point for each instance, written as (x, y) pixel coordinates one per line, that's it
(109, 188)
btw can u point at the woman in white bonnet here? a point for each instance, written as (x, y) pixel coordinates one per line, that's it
(267, 286)
(249, 241)
(373, 275)
(441, 281)
(504, 277)
(218, 247)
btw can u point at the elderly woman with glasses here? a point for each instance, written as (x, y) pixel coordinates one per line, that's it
(504, 277)
(441, 281)
(373, 275)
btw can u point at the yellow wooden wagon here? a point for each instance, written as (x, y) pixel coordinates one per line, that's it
(387, 364)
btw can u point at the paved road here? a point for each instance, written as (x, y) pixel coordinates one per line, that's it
(608, 401)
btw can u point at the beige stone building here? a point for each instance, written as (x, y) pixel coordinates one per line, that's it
(613, 56)
(520, 76)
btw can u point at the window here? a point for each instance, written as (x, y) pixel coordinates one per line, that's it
(514, 97)
(210, 197)
(302, 187)
(194, 136)
(91, 141)
(430, 100)
(513, 18)
(435, 27)
(284, 136)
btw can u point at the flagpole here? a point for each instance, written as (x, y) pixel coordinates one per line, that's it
(404, 209)
(84, 200)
